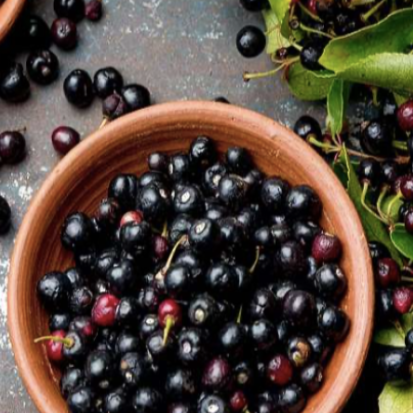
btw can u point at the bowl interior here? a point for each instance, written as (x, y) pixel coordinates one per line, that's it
(9, 11)
(81, 179)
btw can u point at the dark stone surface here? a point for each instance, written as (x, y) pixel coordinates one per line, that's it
(180, 49)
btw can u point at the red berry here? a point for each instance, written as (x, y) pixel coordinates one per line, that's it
(312, 6)
(160, 247)
(326, 248)
(387, 272)
(104, 310)
(169, 309)
(94, 10)
(238, 401)
(406, 187)
(85, 326)
(405, 116)
(131, 216)
(408, 221)
(403, 299)
(12, 147)
(55, 348)
(64, 139)
(280, 370)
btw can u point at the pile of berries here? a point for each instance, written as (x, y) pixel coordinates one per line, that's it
(31, 34)
(200, 286)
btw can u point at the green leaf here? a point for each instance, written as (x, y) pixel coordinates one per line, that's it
(400, 99)
(305, 85)
(345, 51)
(389, 337)
(275, 40)
(402, 240)
(337, 100)
(288, 33)
(387, 70)
(280, 7)
(391, 207)
(374, 229)
(407, 322)
(396, 398)
(340, 172)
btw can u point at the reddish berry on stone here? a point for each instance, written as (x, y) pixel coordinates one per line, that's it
(405, 116)
(132, 216)
(160, 247)
(408, 221)
(55, 348)
(65, 138)
(104, 310)
(169, 316)
(387, 272)
(238, 401)
(406, 187)
(326, 248)
(280, 370)
(403, 299)
(217, 374)
(94, 10)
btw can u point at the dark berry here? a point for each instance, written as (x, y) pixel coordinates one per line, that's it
(64, 33)
(203, 310)
(127, 342)
(78, 88)
(280, 370)
(188, 200)
(132, 370)
(376, 138)
(299, 308)
(77, 232)
(114, 106)
(99, 369)
(232, 338)
(76, 348)
(250, 41)
(12, 147)
(310, 54)
(81, 400)
(390, 171)
(213, 176)
(311, 377)
(136, 238)
(254, 5)
(65, 138)
(331, 282)
(408, 221)
(377, 251)
(263, 334)
(42, 67)
(59, 321)
(291, 259)
(104, 310)
(94, 10)
(14, 86)
(81, 301)
(405, 116)
(395, 364)
(212, 403)
(124, 189)
(232, 191)
(54, 290)
(291, 399)
(262, 305)
(116, 401)
(334, 324)
(238, 160)
(369, 171)
(107, 81)
(72, 378)
(148, 325)
(136, 97)
(72, 9)
(191, 346)
(202, 152)
(406, 187)
(122, 277)
(155, 203)
(217, 374)
(84, 326)
(32, 33)
(298, 351)
(221, 279)
(180, 384)
(303, 202)
(307, 127)
(273, 194)
(178, 281)
(158, 161)
(5, 215)
(204, 236)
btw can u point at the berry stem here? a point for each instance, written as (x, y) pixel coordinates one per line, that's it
(314, 31)
(239, 317)
(400, 145)
(309, 13)
(326, 146)
(365, 206)
(105, 121)
(257, 258)
(383, 193)
(372, 11)
(248, 76)
(165, 230)
(392, 202)
(407, 279)
(399, 328)
(165, 268)
(169, 323)
(67, 342)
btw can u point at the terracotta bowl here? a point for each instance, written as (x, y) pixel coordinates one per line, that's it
(81, 179)
(9, 11)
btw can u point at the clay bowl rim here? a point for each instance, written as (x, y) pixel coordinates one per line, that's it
(222, 115)
(9, 12)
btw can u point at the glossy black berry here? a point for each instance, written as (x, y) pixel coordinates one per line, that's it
(132, 370)
(250, 41)
(213, 403)
(81, 400)
(377, 251)
(136, 238)
(72, 378)
(188, 200)
(203, 310)
(178, 281)
(291, 259)
(124, 189)
(107, 81)
(78, 348)
(334, 323)
(78, 88)
(303, 202)
(263, 334)
(254, 5)
(299, 309)
(154, 202)
(42, 67)
(116, 401)
(233, 191)
(148, 325)
(81, 301)
(213, 176)
(64, 139)
(32, 33)
(390, 171)
(376, 138)
(54, 290)
(72, 9)
(221, 279)
(136, 96)
(330, 282)
(5, 215)
(77, 232)
(59, 321)
(262, 305)
(180, 384)
(127, 342)
(291, 399)
(298, 351)
(395, 364)
(232, 338)
(310, 54)
(307, 127)
(191, 346)
(114, 106)
(369, 171)
(14, 86)
(122, 276)
(158, 161)
(12, 147)
(217, 374)
(64, 33)
(204, 236)
(202, 152)
(273, 194)
(238, 160)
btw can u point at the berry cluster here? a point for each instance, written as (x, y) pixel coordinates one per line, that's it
(31, 34)
(201, 285)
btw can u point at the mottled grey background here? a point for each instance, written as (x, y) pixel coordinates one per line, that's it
(179, 49)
